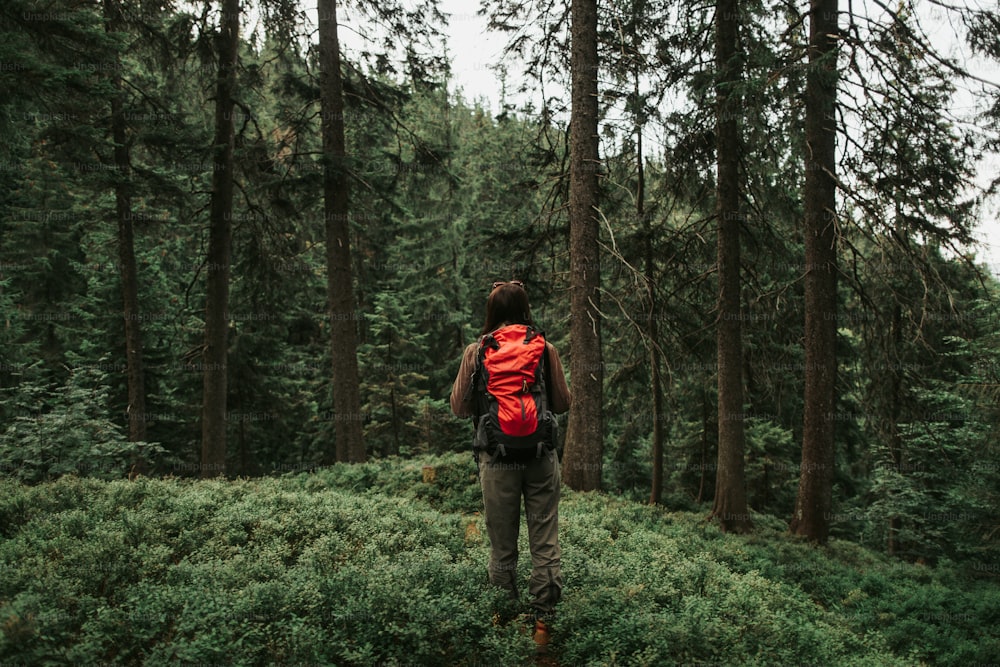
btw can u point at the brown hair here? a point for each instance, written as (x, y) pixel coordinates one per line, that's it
(507, 304)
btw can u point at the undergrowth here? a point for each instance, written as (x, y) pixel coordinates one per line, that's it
(372, 565)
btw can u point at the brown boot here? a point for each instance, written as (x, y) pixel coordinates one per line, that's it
(541, 636)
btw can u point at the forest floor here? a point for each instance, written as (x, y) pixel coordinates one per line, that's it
(371, 565)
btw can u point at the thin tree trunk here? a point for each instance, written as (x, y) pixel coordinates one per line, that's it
(652, 333)
(394, 418)
(812, 506)
(730, 505)
(656, 495)
(895, 409)
(213, 421)
(705, 416)
(336, 189)
(584, 435)
(126, 253)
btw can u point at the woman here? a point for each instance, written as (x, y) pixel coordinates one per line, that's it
(506, 477)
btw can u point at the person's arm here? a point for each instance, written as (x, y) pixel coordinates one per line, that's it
(561, 396)
(463, 382)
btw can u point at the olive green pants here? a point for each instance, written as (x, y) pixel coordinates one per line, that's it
(504, 483)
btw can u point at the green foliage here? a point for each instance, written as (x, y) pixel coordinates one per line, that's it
(453, 489)
(772, 479)
(371, 564)
(246, 573)
(66, 431)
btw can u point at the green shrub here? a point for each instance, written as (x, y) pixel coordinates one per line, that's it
(370, 564)
(66, 431)
(249, 572)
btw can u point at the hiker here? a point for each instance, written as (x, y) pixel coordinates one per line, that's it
(512, 467)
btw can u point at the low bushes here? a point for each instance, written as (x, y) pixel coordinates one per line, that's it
(373, 565)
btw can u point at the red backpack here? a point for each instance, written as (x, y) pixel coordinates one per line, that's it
(510, 397)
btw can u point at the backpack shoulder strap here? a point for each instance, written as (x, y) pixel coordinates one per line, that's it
(546, 366)
(477, 387)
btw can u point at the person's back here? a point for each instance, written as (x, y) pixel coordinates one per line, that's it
(508, 472)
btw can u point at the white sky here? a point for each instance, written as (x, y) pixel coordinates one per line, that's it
(474, 50)
(942, 29)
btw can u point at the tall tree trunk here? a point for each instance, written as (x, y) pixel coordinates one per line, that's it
(584, 435)
(730, 505)
(213, 416)
(343, 334)
(126, 251)
(656, 379)
(812, 506)
(652, 333)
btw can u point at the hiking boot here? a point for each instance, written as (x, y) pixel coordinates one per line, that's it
(541, 636)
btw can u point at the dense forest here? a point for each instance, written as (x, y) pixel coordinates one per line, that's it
(232, 246)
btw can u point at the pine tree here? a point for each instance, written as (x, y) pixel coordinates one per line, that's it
(216, 348)
(136, 411)
(585, 434)
(343, 341)
(730, 505)
(812, 507)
